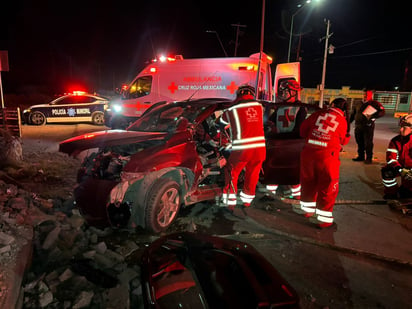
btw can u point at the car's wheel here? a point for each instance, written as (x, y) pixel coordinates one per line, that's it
(98, 118)
(162, 205)
(37, 118)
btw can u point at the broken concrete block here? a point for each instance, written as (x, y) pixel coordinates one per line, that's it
(6, 239)
(51, 238)
(67, 274)
(45, 299)
(101, 247)
(83, 300)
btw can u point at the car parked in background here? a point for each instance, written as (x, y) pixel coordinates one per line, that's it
(74, 107)
(143, 175)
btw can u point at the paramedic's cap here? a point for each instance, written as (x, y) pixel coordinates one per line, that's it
(245, 90)
(406, 121)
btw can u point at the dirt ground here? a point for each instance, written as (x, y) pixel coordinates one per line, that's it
(45, 170)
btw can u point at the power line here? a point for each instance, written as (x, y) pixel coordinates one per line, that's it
(375, 53)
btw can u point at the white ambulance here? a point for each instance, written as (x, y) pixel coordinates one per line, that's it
(178, 79)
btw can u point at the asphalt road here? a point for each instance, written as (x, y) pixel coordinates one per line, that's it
(324, 273)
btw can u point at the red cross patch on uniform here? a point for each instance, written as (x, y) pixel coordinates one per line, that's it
(326, 123)
(251, 114)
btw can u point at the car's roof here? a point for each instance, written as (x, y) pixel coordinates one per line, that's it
(98, 97)
(199, 102)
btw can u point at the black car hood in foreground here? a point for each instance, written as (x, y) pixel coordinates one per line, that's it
(201, 271)
(100, 139)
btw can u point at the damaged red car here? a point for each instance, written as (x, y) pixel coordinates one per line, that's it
(143, 175)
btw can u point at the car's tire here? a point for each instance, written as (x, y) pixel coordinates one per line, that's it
(98, 118)
(38, 119)
(162, 205)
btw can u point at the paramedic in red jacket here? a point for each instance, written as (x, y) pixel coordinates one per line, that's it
(247, 147)
(399, 163)
(325, 132)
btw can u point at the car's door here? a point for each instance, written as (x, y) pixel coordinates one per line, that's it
(283, 142)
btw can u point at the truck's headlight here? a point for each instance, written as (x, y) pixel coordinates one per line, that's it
(27, 111)
(117, 108)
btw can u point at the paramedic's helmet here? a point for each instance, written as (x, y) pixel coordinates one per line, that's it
(406, 121)
(288, 89)
(341, 104)
(245, 91)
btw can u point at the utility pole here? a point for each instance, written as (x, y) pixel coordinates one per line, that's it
(218, 38)
(262, 36)
(322, 85)
(237, 34)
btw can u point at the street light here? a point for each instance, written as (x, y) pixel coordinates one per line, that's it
(218, 38)
(300, 7)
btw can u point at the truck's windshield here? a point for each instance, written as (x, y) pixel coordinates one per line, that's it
(140, 87)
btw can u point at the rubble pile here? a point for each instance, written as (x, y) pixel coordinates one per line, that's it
(68, 263)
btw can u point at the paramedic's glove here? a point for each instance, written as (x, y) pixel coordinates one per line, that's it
(225, 150)
(406, 173)
(213, 143)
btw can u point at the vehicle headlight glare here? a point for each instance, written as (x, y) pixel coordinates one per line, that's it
(117, 108)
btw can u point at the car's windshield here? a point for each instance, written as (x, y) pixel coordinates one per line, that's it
(167, 119)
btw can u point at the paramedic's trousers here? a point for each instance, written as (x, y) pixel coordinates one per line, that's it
(319, 175)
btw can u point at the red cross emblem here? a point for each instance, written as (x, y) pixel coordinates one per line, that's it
(232, 87)
(138, 105)
(327, 123)
(286, 119)
(251, 112)
(172, 87)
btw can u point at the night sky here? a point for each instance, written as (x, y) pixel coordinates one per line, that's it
(99, 45)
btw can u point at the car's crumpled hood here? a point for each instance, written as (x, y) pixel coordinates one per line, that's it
(75, 145)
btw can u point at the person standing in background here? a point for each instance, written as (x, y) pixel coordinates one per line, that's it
(364, 114)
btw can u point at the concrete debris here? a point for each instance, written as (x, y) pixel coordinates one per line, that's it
(83, 300)
(6, 239)
(60, 262)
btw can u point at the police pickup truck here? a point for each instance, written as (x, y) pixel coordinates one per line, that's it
(74, 107)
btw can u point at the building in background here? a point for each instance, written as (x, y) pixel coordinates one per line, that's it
(395, 102)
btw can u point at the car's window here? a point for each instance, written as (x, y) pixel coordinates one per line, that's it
(284, 121)
(64, 101)
(84, 99)
(166, 119)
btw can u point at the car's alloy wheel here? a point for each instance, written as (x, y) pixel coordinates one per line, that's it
(162, 205)
(38, 119)
(98, 118)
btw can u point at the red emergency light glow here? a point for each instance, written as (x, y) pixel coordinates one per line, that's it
(246, 68)
(124, 87)
(243, 66)
(166, 59)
